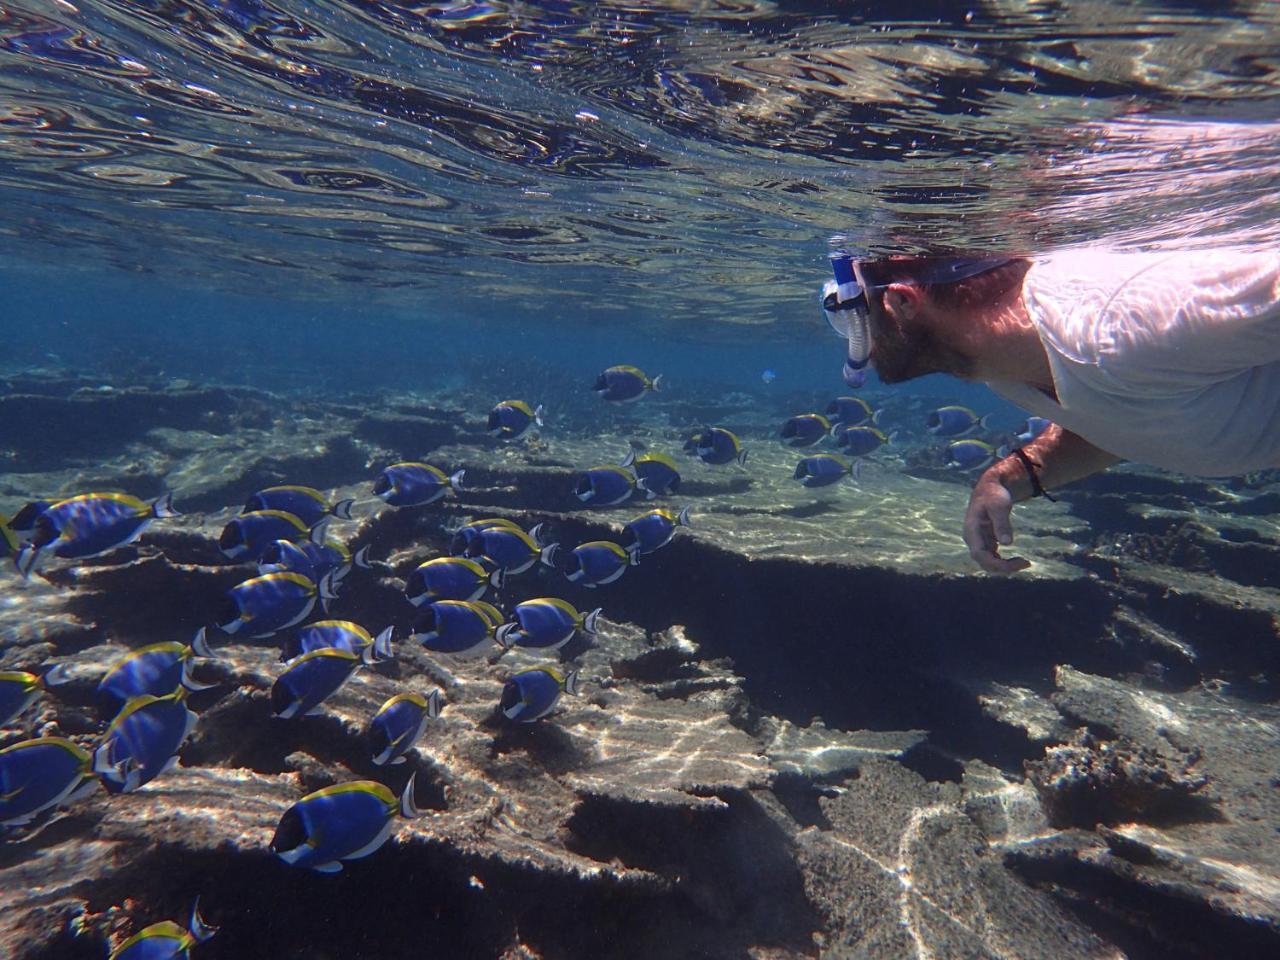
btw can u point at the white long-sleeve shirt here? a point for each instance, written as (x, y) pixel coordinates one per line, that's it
(1170, 359)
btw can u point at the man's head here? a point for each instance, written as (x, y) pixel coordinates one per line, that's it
(921, 324)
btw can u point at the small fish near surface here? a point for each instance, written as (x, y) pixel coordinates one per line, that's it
(38, 775)
(767, 376)
(822, 470)
(344, 822)
(509, 549)
(157, 670)
(656, 473)
(272, 602)
(336, 635)
(512, 420)
(605, 486)
(465, 534)
(805, 430)
(143, 741)
(306, 503)
(248, 536)
(592, 564)
(20, 689)
(461, 628)
(653, 530)
(954, 421)
(311, 679)
(716, 446)
(625, 384)
(89, 525)
(399, 723)
(852, 412)
(452, 578)
(415, 484)
(166, 940)
(970, 454)
(546, 623)
(531, 694)
(1032, 428)
(859, 441)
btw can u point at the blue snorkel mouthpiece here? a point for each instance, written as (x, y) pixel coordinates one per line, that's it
(845, 306)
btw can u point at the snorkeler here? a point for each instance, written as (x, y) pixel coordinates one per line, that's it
(1171, 360)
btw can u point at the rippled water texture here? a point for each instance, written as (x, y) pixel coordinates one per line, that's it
(700, 151)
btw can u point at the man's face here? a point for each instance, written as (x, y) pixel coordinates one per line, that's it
(904, 345)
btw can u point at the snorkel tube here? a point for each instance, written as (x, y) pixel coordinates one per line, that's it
(845, 305)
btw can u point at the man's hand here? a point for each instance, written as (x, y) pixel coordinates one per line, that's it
(987, 525)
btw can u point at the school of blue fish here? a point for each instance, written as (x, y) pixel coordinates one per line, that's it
(284, 531)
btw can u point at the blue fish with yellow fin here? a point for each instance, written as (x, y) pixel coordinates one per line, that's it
(655, 473)
(310, 679)
(306, 503)
(452, 578)
(248, 535)
(822, 470)
(717, 446)
(336, 634)
(272, 602)
(415, 484)
(531, 694)
(545, 623)
(20, 689)
(166, 940)
(89, 525)
(399, 723)
(509, 549)
(313, 558)
(462, 628)
(625, 384)
(805, 430)
(143, 741)
(344, 822)
(970, 454)
(852, 412)
(954, 421)
(593, 564)
(653, 530)
(157, 669)
(512, 420)
(38, 775)
(465, 534)
(605, 486)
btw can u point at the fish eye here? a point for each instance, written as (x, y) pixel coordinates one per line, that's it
(510, 696)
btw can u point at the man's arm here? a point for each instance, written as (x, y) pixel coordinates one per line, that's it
(1060, 456)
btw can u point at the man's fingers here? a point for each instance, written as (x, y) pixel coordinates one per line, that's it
(1001, 523)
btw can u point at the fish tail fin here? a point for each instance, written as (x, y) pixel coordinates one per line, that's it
(893, 437)
(200, 644)
(535, 534)
(590, 620)
(571, 684)
(549, 554)
(742, 458)
(875, 417)
(328, 588)
(503, 635)
(319, 533)
(56, 675)
(456, 479)
(628, 460)
(537, 415)
(25, 560)
(633, 557)
(408, 809)
(683, 519)
(162, 506)
(985, 422)
(498, 578)
(435, 703)
(190, 684)
(656, 384)
(1003, 451)
(381, 645)
(199, 927)
(361, 557)
(855, 473)
(342, 509)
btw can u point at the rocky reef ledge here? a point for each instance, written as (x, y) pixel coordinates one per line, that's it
(805, 727)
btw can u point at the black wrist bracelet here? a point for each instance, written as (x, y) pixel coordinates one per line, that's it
(1036, 489)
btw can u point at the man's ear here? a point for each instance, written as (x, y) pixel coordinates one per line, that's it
(902, 301)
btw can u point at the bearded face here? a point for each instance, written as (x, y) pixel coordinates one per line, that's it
(903, 348)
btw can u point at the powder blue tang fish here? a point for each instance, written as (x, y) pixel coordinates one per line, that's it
(306, 503)
(415, 484)
(625, 384)
(399, 723)
(336, 635)
(512, 420)
(310, 679)
(451, 578)
(37, 775)
(954, 421)
(717, 446)
(1032, 428)
(465, 534)
(653, 530)
(656, 473)
(166, 940)
(89, 525)
(272, 602)
(852, 412)
(593, 564)
(970, 454)
(508, 549)
(605, 486)
(24, 521)
(157, 670)
(545, 623)
(143, 741)
(312, 558)
(344, 822)
(248, 535)
(822, 470)
(531, 694)
(805, 430)
(20, 689)
(463, 628)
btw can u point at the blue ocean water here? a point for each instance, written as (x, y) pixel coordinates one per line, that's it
(393, 215)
